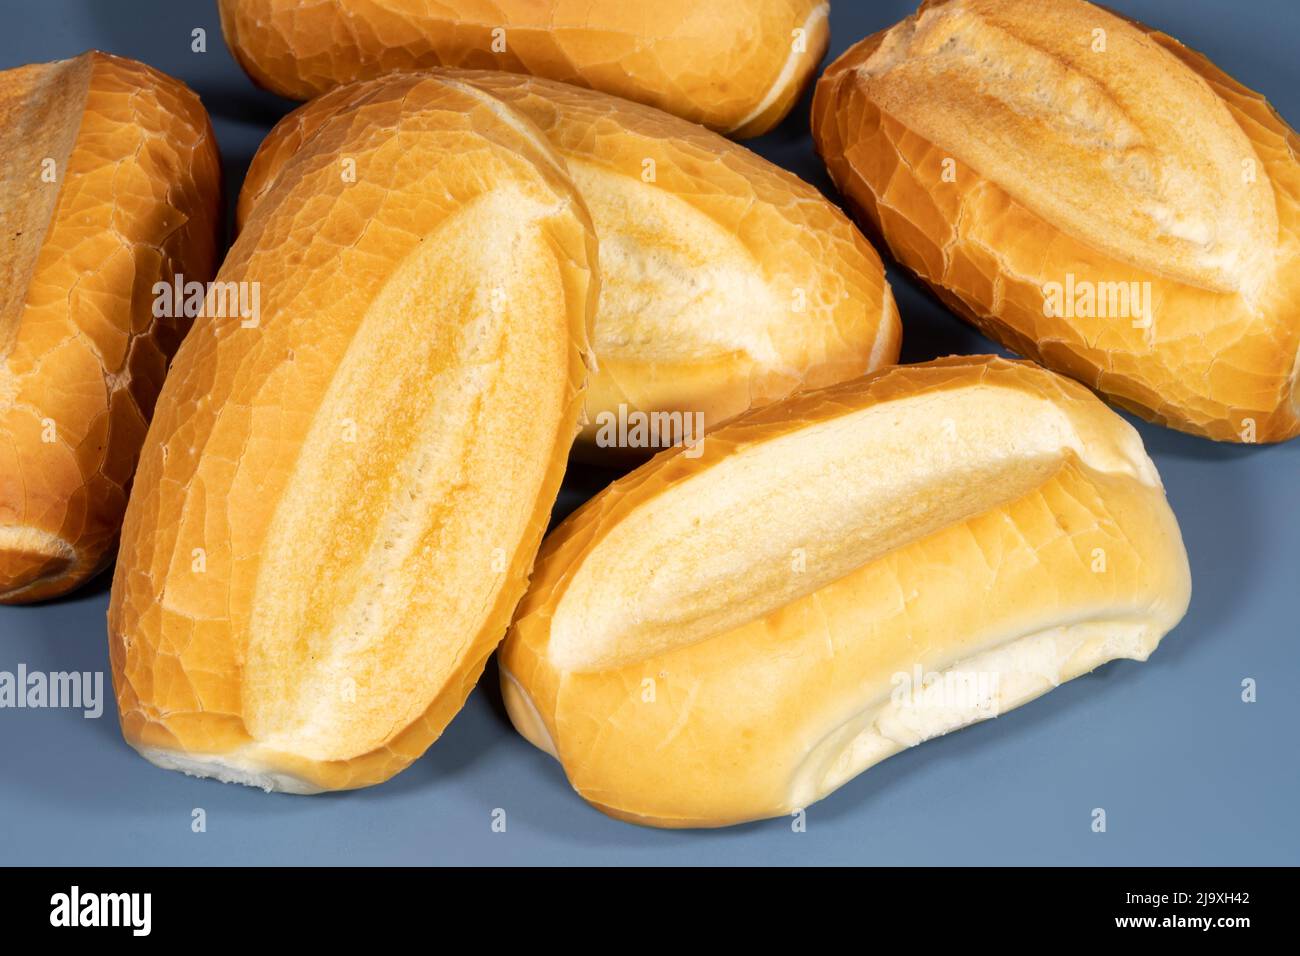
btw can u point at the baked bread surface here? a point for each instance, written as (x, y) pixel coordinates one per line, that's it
(727, 282)
(110, 183)
(1090, 193)
(737, 66)
(723, 639)
(338, 507)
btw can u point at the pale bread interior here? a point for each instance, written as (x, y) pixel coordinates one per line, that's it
(719, 548)
(1295, 384)
(676, 285)
(523, 712)
(30, 557)
(243, 767)
(1025, 667)
(448, 421)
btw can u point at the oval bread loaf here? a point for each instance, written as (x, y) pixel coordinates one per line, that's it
(111, 182)
(726, 282)
(1089, 192)
(338, 504)
(736, 66)
(839, 576)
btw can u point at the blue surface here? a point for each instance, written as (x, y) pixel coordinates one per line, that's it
(1186, 771)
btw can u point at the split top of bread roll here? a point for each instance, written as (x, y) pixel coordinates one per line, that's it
(733, 637)
(727, 282)
(1089, 192)
(110, 183)
(338, 504)
(736, 66)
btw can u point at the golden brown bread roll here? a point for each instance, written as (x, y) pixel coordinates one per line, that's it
(1088, 192)
(726, 282)
(713, 641)
(736, 66)
(338, 507)
(110, 183)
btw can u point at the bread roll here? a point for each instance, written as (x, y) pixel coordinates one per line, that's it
(713, 641)
(727, 282)
(737, 66)
(110, 183)
(338, 507)
(1089, 192)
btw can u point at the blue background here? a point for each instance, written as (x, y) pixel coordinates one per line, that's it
(1186, 772)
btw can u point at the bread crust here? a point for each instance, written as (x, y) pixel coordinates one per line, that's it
(736, 66)
(112, 183)
(338, 508)
(728, 282)
(1140, 168)
(760, 714)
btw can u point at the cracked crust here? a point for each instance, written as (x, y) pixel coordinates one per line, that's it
(736, 66)
(111, 183)
(1138, 164)
(337, 509)
(718, 640)
(728, 283)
